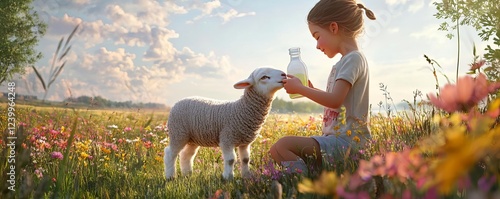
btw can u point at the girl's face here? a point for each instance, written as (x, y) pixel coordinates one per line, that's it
(327, 38)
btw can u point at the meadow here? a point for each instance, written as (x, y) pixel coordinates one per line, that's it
(422, 152)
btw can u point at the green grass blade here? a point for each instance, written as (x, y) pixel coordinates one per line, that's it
(56, 74)
(39, 78)
(65, 53)
(63, 165)
(71, 35)
(55, 56)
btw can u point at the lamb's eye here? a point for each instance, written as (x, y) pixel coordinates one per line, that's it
(265, 77)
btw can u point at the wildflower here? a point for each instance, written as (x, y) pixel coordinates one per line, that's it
(485, 183)
(465, 94)
(113, 126)
(325, 185)
(105, 150)
(84, 155)
(126, 129)
(62, 129)
(56, 155)
(39, 173)
(164, 141)
(356, 139)
(148, 144)
(348, 132)
(477, 65)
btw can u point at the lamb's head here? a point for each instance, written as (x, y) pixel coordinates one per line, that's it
(266, 81)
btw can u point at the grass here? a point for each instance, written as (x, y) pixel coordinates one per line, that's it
(118, 154)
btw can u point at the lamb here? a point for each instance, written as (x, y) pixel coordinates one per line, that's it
(196, 121)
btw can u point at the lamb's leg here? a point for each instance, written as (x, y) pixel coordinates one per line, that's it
(186, 158)
(170, 156)
(244, 155)
(229, 156)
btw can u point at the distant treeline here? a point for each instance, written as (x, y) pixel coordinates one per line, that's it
(283, 106)
(101, 102)
(278, 106)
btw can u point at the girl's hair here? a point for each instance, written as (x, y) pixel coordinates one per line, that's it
(347, 13)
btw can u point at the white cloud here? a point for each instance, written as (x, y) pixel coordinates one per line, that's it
(395, 2)
(393, 30)
(121, 18)
(416, 6)
(430, 32)
(206, 8)
(231, 14)
(160, 47)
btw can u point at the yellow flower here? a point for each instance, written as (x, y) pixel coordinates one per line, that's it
(348, 132)
(84, 155)
(105, 150)
(62, 129)
(356, 139)
(325, 185)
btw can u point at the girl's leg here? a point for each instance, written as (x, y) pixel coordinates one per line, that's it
(291, 148)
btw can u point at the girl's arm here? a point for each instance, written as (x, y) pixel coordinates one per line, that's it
(335, 99)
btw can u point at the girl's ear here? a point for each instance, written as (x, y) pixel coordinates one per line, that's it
(334, 27)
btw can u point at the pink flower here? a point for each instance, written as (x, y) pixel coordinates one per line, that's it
(56, 155)
(38, 173)
(477, 65)
(465, 94)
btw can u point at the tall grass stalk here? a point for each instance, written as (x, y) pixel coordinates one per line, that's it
(55, 70)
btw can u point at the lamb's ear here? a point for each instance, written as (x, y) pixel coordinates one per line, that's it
(243, 84)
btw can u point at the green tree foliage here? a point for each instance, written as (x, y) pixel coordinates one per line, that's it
(20, 30)
(101, 102)
(484, 16)
(283, 106)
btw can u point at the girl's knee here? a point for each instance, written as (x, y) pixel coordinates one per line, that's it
(274, 152)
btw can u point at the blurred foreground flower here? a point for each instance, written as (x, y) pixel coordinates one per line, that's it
(465, 94)
(325, 185)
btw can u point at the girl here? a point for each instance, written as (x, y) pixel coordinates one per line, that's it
(334, 24)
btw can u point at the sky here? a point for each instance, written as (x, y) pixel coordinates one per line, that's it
(163, 51)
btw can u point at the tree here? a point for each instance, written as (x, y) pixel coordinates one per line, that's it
(484, 16)
(20, 30)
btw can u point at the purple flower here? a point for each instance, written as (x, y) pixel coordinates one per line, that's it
(485, 183)
(57, 155)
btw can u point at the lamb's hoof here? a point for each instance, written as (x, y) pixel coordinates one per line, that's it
(169, 179)
(227, 179)
(247, 175)
(276, 190)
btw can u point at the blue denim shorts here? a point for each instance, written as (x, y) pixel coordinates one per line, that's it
(332, 147)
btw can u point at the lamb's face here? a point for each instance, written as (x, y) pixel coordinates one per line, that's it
(265, 80)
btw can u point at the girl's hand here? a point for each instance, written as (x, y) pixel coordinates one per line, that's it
(292, 84)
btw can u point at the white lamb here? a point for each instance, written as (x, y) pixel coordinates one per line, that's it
(195, 122)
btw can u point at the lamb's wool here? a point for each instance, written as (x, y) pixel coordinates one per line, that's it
(197, 121)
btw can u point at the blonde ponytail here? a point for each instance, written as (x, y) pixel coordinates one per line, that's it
(368, 12)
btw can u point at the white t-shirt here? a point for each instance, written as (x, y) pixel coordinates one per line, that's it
(352, 68)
